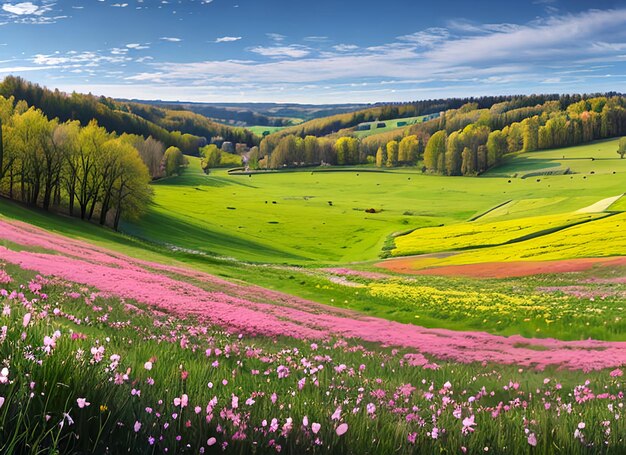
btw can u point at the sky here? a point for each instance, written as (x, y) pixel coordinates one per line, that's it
(316, 52)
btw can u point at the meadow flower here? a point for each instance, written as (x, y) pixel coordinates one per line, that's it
(532, 439)
(315, 427)
(82, 402)
(341, 429)
(211, 441)
(147, 365)
(468, 425)
(26, 319)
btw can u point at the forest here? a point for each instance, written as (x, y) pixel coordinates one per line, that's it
(186, 130)
(466, 140)
(79, 170)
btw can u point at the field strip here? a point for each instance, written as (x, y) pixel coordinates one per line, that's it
(476, 217)
(600, 206)
(125, 277)
(473, 236)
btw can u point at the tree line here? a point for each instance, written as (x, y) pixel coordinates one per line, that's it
(476, 147)
(463, 141)
(340, 123)
(184, 130)
(83, 171)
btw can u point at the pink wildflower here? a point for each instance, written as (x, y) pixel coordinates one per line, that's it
(341, 429)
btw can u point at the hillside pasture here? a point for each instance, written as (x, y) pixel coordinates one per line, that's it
(304, 217)
(259, 129)
(390, 125)
(598, 157)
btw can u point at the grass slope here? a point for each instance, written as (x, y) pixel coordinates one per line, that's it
(235, 215)
(259, 130)
(597, 157)
(390, 125)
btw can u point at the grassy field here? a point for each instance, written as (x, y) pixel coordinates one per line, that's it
(598, 157)
(127, 375)
(390, 125)
(259, 130)
(288, 217)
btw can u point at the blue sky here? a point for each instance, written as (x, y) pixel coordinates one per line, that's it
(314, 52)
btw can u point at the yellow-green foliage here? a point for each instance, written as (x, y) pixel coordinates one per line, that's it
(230, 159)
(479, 234)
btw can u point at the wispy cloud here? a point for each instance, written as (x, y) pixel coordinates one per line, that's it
(276, 37)
(292, 51)
(481, 55)
(170, 39)
(30, 12)
(227, 39)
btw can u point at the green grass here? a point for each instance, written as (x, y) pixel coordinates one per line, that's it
(598, 157)
(390, 126)
(235, 215)
(133, 408)
(618, 206)
(259, 130)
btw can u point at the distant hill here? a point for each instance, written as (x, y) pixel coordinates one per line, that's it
(183, 129)
(261, 114)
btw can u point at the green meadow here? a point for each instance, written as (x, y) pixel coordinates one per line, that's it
(259, 129)
(315, 216)
(390, 125)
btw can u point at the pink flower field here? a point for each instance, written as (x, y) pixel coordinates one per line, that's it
(257, 311)
(111, 353)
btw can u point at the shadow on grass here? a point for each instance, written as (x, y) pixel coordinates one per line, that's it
(167, 229)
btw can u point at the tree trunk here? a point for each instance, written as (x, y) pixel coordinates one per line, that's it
(104, 210)
(47, 196)
(118, 215)
(71, 208)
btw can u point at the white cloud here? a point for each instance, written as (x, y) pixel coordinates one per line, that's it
(29, 12)
(293, 51)
(463, 59)
(345, 47)
(557, 37)
(276, 37)
(427, 38)
(227, 39)
(171, 39)
(21, 8)
(137, 46)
